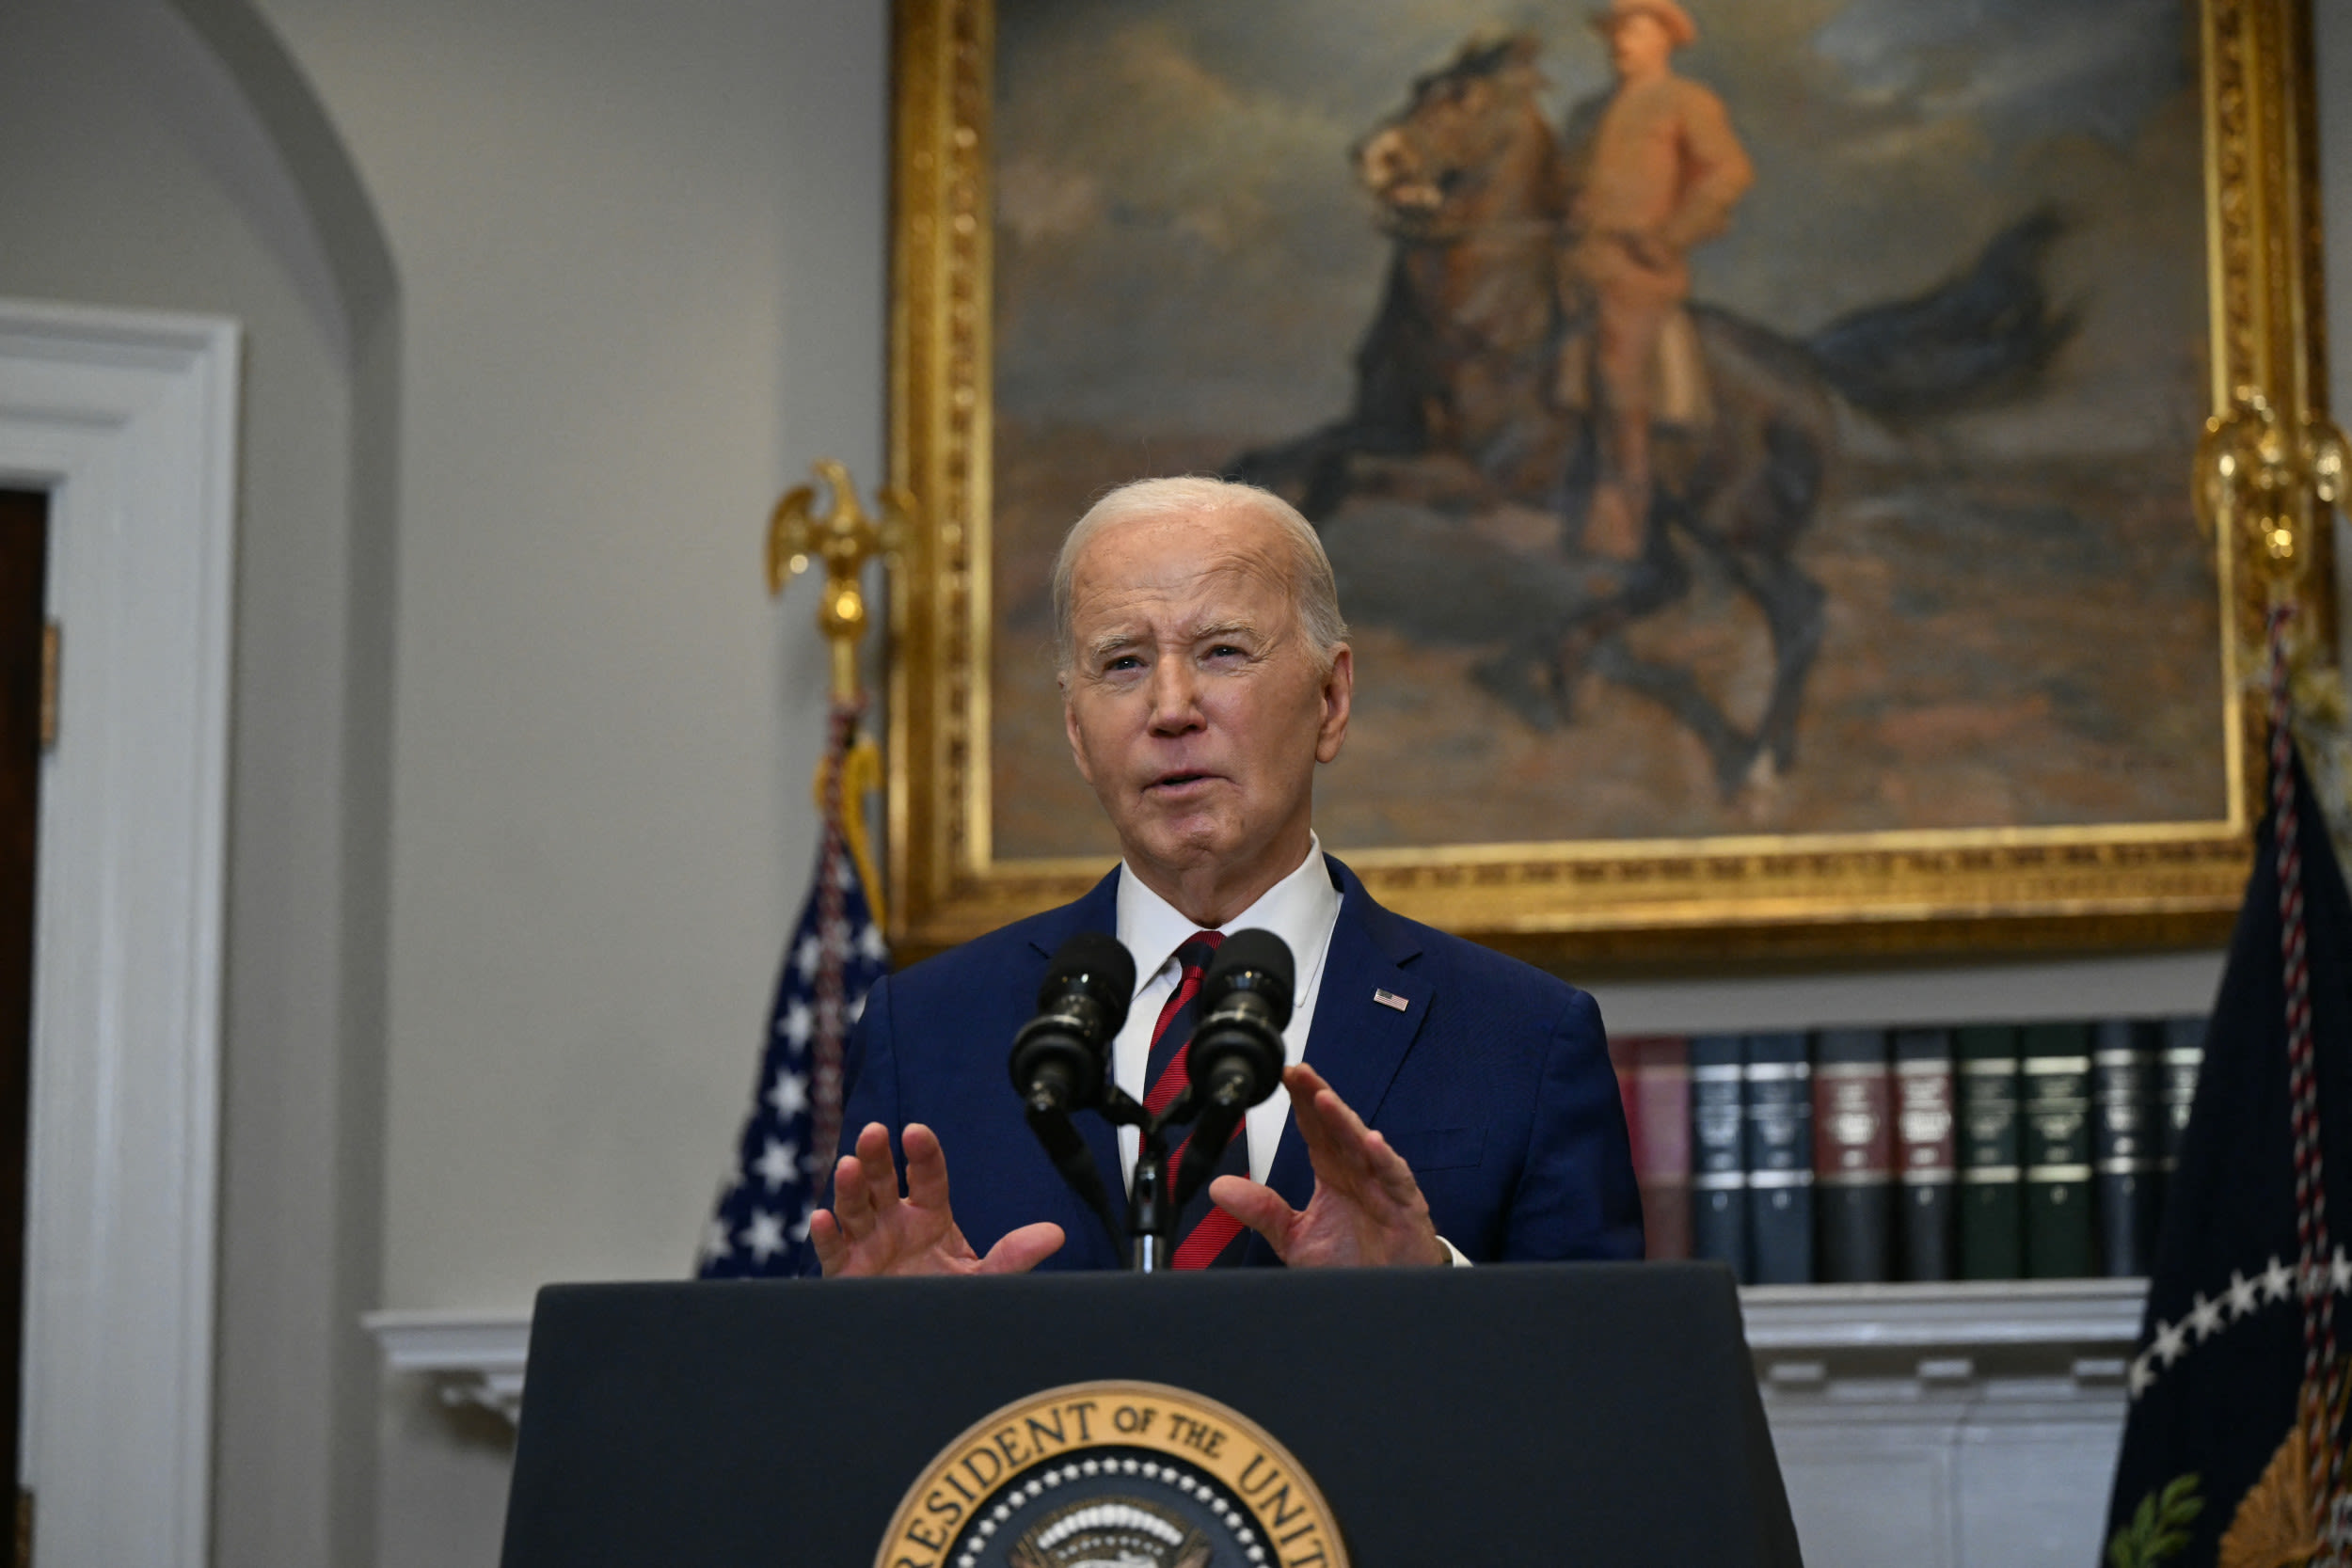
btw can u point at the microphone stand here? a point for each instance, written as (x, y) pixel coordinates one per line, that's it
(1153, 1207)
(1154, 1201)
(1150, 1214)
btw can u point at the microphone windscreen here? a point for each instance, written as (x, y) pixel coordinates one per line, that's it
(1101, 964)
(1255, 960)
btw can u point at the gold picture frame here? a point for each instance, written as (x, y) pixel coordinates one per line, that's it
(1638, 903)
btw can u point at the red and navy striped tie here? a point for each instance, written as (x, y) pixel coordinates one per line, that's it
(1204, 1232)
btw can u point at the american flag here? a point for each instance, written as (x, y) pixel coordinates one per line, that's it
(760, 1225)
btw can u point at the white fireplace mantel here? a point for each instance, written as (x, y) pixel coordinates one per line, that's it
(1859, 1339)
(474, 1358)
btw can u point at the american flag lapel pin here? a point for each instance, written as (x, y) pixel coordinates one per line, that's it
(1390, 999)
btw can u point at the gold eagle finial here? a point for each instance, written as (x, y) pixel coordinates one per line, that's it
(845, 537)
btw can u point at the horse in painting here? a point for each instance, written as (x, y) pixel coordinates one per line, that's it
(1460, 394)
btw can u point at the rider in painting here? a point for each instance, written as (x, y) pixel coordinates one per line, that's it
(1659, 172)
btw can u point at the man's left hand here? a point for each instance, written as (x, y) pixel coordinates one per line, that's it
(1367, 1209)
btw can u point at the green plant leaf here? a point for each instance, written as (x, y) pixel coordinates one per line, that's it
(2157, 1530)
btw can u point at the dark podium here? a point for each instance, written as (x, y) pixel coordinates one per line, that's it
(1537, 1414)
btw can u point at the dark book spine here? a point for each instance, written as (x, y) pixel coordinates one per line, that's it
(1991, 1210)
(1853, 1155)
(1779, 1084)
(2060, 1237)
(2126, 1147)
(2183, 1059)
(1928, 1152)
(1719, 1174)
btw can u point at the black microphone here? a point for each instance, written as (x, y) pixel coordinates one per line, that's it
(1236, 1053)
(1058, 1057)
(1236, 1057)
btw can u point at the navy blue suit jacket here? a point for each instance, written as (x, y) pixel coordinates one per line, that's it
(1493, 1083)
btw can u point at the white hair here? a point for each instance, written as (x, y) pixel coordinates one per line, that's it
(1313, 592)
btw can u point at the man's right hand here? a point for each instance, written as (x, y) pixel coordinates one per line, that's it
(872, 1230)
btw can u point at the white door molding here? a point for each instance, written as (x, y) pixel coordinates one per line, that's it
(128, 419)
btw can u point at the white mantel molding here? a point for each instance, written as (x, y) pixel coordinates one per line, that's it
(1963, 1332)
(2014, 1345)
(474, 1358)
(1979, 1314)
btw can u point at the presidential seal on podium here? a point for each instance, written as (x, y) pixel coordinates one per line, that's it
(1113, 1475)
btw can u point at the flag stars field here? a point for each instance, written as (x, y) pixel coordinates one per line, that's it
(2244, 1297)
(789, 1094)
(779, 1163)
(835, 958)
(764, 1236)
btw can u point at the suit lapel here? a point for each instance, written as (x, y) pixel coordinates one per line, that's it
(1097, 912)
(1356, 1043)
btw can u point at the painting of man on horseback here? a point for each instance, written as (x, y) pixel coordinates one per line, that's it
(1535, 328)
(1683, 495)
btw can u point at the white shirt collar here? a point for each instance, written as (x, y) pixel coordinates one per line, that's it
(1300, 908)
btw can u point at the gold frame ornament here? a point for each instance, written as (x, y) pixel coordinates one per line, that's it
(1651, 901)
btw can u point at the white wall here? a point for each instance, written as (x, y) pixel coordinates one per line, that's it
(641, 254)
(640, 258)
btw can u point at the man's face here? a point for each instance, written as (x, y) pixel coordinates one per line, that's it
(1194, 703)
(1640, 46)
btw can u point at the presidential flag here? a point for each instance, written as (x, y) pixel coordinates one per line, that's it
(837, 955)
(2234, 1446)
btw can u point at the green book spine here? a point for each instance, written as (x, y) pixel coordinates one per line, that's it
(2060, 1240)
(1991, 1204)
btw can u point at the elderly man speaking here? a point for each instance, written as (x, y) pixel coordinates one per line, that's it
(1444, 1105)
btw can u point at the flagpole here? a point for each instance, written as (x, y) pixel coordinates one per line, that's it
(2270, 485)
(845, 537)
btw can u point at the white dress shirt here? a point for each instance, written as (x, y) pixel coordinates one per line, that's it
(1301, 909)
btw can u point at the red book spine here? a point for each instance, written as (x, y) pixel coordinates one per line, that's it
(1853, 1156)
(1654, 1079)
(1853, 1126)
